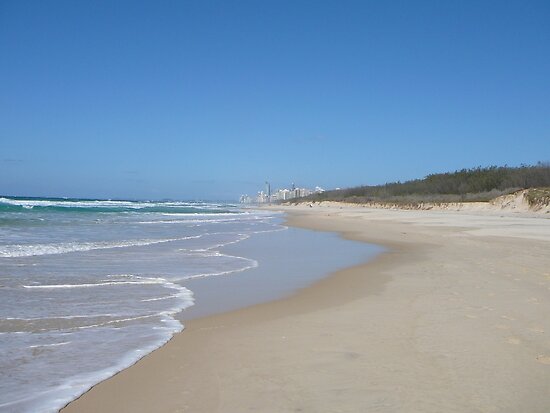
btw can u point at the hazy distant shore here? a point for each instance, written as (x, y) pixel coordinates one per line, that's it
(452, 318)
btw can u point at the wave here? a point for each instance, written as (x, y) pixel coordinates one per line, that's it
(240, 237)
(209, 214)
(99, 284)
(92, 205)
(251, 264)
(185, 295)
(190, 221)
(29, 250)
(117, 307)
(51, 345)
(51, 397)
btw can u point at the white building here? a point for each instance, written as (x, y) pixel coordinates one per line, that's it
(280, 195)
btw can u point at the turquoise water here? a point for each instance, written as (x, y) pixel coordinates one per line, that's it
(87, 287)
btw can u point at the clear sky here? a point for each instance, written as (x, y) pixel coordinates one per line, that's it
(209, 99)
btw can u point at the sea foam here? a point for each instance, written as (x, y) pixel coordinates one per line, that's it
(89, 287)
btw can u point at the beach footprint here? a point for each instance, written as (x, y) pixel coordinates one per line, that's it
(544, 359)
(536, 329)
(513, 340)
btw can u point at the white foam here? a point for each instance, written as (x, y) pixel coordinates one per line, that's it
(117, 321)
(53, 399)
(168, 297)
(143, 319)
(252, 264)
(190, 221)
(28, 250)
(69, 317)
(241, 237)
(51, 345)
(202, 214)
(100, 284)
(138, 280)
(66, 203)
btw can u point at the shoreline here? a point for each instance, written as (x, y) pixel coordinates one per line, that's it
(406, 331)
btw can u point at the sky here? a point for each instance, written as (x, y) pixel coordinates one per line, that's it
(210, 99)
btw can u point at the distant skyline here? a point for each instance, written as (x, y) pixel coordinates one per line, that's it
(208, 100)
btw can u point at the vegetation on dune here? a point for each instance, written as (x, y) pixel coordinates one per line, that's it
(538, 196)
(466, 185)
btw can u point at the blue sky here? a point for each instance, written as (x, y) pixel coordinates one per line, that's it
(207, 99)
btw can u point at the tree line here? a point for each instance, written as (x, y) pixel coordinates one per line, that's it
(475, 184)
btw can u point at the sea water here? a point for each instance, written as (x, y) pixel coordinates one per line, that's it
(88, 287)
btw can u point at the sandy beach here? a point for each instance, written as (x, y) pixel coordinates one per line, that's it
(452, 318)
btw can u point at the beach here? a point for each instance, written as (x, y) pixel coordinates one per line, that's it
(453, 317)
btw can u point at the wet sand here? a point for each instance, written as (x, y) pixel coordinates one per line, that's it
(453, 318)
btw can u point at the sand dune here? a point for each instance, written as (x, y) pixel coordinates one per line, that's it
(512, 204)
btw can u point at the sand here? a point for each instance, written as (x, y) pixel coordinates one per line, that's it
(454, 317)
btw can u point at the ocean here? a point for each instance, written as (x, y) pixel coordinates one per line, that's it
(88, 287)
